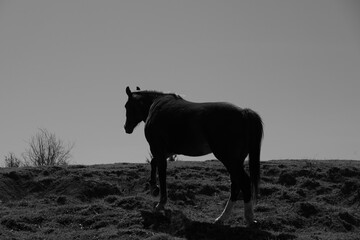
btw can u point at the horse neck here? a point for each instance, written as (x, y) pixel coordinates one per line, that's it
(148, 99)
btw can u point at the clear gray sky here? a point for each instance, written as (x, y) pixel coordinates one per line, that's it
(64, 66)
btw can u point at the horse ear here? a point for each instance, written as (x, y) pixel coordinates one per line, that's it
(137, 88)
(128, 91)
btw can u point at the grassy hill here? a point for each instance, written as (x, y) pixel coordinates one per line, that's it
(300, 199)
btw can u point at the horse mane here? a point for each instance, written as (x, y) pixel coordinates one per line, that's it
(155, 94)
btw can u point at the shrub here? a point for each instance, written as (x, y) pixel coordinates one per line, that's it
(45, 149)
(12, 161)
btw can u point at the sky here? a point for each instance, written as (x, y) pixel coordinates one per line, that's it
(64, 66)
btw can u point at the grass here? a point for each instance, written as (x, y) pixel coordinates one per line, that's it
(300, 199)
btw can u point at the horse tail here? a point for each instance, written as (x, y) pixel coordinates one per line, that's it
(255, 127)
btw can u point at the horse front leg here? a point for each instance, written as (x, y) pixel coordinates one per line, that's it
(154, 188)
(162, 165)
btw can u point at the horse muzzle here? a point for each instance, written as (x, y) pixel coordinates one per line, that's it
(128, 130)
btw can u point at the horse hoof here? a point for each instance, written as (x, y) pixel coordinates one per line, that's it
(155, 191)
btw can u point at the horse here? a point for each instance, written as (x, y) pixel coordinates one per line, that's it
(174, 125)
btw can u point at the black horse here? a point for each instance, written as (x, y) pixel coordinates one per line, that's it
(176, 126)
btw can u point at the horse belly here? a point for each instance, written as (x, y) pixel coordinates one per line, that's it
(192, 150)
(190, 143)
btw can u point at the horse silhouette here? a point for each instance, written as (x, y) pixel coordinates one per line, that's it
(174, 125)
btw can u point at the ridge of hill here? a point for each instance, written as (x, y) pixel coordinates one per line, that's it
(300, 199)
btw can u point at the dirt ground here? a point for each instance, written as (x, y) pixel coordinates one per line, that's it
(300, 199)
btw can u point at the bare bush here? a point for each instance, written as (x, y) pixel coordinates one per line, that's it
(45, 149)
(12, 161)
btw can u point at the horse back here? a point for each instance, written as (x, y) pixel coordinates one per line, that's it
(188, 128)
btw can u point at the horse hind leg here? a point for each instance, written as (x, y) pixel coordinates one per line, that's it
(226, 212)
(235, 189)
(245, 186)
(233, 161)
(239, 181)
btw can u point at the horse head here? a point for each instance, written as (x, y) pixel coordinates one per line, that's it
(134, 110)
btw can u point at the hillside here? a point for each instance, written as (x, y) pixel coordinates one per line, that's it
(300, 199)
